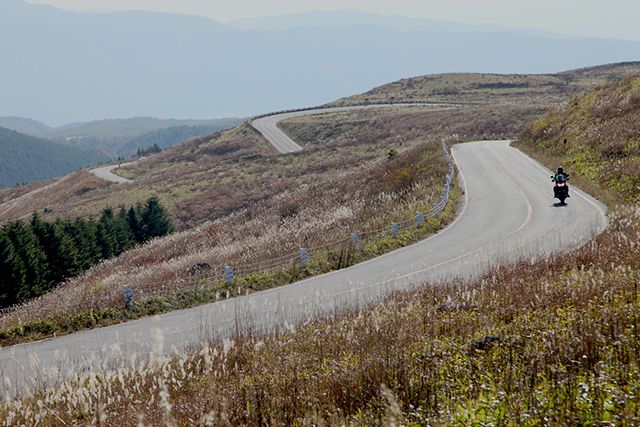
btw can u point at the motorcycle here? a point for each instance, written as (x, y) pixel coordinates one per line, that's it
(561, 187)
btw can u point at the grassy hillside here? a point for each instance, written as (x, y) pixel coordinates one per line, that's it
(238, 204)
(516, 89)
(200, 180)
(596, 137)
(551, 342)
(26, 159)
(227, 190)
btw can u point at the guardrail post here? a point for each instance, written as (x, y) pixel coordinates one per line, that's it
(355, 240)
(394, 229)
(128, 297)
(419, 219)
(229, 274)
(304, 257)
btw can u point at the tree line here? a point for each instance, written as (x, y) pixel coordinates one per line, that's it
(37, 255)
(26, 159)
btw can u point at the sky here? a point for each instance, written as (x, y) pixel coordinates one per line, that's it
(596, 18)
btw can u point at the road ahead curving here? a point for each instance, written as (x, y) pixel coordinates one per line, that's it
(268, 125)
(106, 173)
(508, 215)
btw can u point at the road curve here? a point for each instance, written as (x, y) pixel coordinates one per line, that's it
(268, 125)
(106, 173)
(509, 214)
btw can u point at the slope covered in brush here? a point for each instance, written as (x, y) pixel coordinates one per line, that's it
(596, 136)
(25, 159)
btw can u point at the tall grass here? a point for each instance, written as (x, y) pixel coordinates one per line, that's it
(311, 215)
(550, 342)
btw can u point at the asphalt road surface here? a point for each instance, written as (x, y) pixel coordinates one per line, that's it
(509, 214)
(106, 173)
(268, 126)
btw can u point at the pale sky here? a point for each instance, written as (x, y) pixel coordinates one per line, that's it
(599, 18)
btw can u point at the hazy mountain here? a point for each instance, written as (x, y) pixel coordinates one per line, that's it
(60, 66)
(120, 137)
(26, 159)
(130, 127)
(26, 126)
(123, 137)
(354, 18)
(165, 138)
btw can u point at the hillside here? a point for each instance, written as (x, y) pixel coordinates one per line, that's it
(165, 138)
(131, 127)
(123, 137)
(234, 200)
(27, 159)
(195, 179)
(596, 137)
(26, 126)
(552, 341)
(515, 89)
(120, 137)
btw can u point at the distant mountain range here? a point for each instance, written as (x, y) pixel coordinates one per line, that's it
(354, 18)
(60, 66)
(119, 137)
(25, 159)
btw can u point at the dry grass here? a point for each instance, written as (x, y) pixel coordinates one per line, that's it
(568, 343)
(309, 199)
(566, 351)
(602, 134)
(540, 90)
(264, 206)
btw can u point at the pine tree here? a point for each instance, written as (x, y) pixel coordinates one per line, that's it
(155, 221)
(12, 272)
(60, 249)
(124, 235)
(133, 219)
(83, 234)
(32, 256)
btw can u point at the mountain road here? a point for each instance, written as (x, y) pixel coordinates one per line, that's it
(508, 215)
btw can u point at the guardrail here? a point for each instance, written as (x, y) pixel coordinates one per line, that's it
(366, 104)
(113, 298)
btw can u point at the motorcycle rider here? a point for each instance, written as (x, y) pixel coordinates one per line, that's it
(561, 176)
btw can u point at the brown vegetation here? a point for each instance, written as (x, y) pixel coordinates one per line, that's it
(596, 136)
(542, 90)
(277, 204)
(551, 342)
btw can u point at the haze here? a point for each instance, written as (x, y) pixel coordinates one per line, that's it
(61, 66)
(595, 18)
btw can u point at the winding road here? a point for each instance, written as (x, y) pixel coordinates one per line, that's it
(508, 215)
(106, 173)
(268, 125)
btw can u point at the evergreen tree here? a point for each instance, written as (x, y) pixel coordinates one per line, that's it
(133, 220)
(155, 221)
(60, 249)
(26, 246)
(36, 256)
(12, 272)
(124, 236)
(83, 234)
(106, 240)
